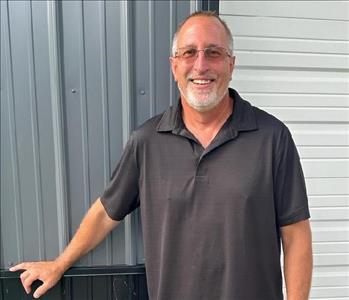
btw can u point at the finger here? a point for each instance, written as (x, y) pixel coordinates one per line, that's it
(28, 282)
(42, 289)
(24, 276)
(17, 267)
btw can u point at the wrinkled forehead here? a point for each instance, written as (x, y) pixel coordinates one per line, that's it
(202, 31)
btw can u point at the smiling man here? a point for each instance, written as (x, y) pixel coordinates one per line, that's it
(219, 184)
(202, 79)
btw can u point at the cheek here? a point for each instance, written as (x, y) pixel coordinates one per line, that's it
(181, 78)
(174, 72)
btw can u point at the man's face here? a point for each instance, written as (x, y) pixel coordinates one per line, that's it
(202, 82)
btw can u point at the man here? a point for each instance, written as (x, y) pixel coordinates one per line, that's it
(219, 183)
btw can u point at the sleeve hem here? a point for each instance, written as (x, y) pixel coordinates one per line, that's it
(107, 210)
(299, 215)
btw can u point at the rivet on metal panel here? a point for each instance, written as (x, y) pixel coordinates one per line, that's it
(73, 91)
(142, 92)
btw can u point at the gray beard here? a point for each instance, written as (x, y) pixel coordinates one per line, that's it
(204, 102)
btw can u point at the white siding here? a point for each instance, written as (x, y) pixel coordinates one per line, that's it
(292, 59)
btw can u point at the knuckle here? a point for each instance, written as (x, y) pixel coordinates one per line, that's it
(28, 281)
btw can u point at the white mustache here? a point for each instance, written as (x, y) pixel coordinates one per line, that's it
(206, 76)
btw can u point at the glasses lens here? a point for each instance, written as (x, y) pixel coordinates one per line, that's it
(214, 52)
(187, 52)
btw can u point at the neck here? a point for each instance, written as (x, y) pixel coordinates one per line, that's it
(207, 119)
(205, 125)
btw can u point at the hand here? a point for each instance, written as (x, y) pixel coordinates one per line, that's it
(49, 272)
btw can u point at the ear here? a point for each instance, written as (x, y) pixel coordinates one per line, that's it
(231, 64)
(173, 63)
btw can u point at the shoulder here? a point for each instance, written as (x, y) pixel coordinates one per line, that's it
(275, 131)
(147, 130)
(267, 123)
(270, 129)
(247, 116)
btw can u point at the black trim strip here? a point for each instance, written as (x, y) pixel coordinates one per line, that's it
(89, 271)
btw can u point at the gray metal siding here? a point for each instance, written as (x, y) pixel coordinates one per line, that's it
(88, 117)
(76, 78)
(27, 181)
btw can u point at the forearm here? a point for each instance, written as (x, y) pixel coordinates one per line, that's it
(92, 230)
(94, 227)
(298, 263)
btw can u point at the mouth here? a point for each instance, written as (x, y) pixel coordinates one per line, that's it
(201, 82)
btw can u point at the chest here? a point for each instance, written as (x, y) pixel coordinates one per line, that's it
(181, 169)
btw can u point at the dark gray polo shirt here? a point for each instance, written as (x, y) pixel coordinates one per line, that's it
(211, 217)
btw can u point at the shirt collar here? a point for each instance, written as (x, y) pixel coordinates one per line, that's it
(242, 119)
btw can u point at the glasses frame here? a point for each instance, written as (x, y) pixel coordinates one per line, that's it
(194, 57)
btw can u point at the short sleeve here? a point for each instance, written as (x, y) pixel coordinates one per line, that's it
(121, 195)
(289, 184)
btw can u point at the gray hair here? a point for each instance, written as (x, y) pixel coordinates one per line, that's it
(203, 14)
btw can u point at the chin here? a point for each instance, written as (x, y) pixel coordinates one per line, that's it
(203, 103)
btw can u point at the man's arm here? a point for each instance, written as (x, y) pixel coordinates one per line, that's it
(92, 230)
(298, 260)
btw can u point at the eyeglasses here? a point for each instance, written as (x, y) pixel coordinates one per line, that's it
(189, 54)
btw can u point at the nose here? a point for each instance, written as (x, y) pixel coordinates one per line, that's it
(201, 63)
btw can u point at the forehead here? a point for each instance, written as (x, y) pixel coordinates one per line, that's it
(202, 31)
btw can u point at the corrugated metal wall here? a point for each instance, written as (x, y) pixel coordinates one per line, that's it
(76, 78)
(293, 61)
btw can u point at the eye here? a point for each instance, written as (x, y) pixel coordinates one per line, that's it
(190, 52)
(213, 52)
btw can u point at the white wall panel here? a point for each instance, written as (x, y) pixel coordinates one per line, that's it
(289, 81)
(289, 27)
(298, 100)
(273, 58)
(333, 213)
(328, 200)
(329, 279)
(327, 10)
(325, 168)
(292, 60)
(262, 43)
(323, 152)
(327, 186)
(330, 247)
(309, 114)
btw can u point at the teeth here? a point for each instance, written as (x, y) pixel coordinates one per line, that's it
(201, 81)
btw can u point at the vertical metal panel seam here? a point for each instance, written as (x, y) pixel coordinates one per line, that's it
(13, 140)
(173, 22)
(57, 120)
(84, 117)
(151, 30)
(1, 238)
(125, 36)
(126, 67)
(195, 5)
(105, 119)
(35, 134)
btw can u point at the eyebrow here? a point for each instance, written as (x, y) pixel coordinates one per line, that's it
(193, 46)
